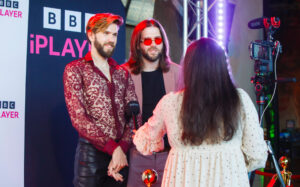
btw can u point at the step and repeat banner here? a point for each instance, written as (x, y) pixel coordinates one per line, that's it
(38, 38)
(13, 50)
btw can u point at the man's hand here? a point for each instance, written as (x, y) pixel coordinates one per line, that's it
(111, 172)
(117, 162)
(118, 159)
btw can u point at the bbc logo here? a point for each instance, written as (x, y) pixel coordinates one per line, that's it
(72, 19)
(7, 104)
(9, 4)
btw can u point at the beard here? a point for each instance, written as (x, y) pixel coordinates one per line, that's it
(148, 57)
(100, 49)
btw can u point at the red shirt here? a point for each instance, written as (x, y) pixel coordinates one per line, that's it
(96, 106)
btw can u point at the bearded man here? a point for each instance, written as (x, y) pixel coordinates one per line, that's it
(96, 91)
(154, 75)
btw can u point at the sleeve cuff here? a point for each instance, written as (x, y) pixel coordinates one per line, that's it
(110, 146)
(124, 145)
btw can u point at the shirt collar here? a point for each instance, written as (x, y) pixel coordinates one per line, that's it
(111, 62)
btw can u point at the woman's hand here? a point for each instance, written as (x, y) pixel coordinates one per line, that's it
(133, 133)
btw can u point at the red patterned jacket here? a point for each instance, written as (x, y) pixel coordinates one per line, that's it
(96, 105)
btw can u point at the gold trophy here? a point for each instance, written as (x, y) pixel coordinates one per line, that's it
(149, 177)
(286, 175)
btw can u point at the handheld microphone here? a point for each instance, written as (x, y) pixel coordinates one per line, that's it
(132, 109)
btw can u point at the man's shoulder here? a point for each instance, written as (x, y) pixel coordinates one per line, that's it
(122, 69)
(76, 63)
(75, 66)
(126, 66)
(174, 65)
(174, 68)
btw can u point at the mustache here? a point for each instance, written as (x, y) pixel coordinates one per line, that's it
(109, 43)
(153, 48)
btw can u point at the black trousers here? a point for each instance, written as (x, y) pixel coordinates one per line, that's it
(91, 165)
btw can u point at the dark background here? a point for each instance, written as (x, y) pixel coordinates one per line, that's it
(288, 66)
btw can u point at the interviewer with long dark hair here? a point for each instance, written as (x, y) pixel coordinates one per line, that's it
(212, 126)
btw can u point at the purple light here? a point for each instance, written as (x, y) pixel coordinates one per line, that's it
(220, 11)
(221, 44)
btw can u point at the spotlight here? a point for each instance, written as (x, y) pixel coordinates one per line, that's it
(221, 43)
(220, 37)
(220, 30)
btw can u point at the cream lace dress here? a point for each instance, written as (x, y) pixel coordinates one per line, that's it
(224, 164)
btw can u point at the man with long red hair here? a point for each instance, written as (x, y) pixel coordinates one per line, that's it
(154, 75)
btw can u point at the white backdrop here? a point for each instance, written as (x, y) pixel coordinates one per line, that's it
(13, 50)
(240, 38)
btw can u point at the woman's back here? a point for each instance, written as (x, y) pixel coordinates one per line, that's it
(221, 164)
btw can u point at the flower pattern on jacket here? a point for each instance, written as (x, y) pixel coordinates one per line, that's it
(97, 106)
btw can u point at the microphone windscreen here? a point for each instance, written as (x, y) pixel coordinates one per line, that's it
(257, 23)
(132, 108)
(135, 107)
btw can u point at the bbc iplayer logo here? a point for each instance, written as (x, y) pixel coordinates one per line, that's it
(9, 4)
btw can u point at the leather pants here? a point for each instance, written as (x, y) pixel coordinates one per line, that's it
(91, 165)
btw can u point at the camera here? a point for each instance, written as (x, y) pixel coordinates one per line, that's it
(262, 51)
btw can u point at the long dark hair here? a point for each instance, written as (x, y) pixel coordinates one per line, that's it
(210, 106)
(135, 60)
